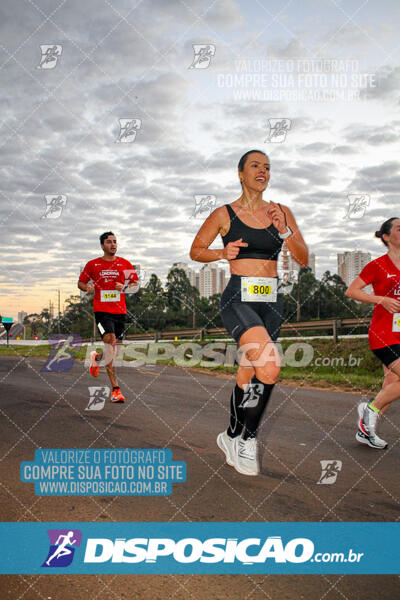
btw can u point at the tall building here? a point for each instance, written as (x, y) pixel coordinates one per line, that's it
(191, 273)
(288, 264)
(350, 264)
(21, 316)
(311, 262)
(212, 280)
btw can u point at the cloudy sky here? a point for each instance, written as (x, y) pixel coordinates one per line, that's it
(314, 83)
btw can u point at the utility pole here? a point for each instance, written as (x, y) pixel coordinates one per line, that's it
(59, 309)
(50, 317)
(298, 298)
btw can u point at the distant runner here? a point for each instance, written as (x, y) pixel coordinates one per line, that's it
(384, 332)
(108, 277)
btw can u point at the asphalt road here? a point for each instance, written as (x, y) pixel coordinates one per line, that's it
(182, 409)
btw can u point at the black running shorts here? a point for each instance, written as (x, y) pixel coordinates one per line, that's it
(388, 354)
(110, 323)
(238, 316)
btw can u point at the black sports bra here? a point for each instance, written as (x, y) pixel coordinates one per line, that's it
(262, 243)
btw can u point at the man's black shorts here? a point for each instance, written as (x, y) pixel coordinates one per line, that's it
(110, 323)
(388, 354)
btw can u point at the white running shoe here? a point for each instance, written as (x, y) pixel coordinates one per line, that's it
(373, 442)
(227, 445)
(246, 457)
(360, 409)
(366, 433)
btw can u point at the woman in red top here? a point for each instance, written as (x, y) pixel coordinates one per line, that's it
(384, 332)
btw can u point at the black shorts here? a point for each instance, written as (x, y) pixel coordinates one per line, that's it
(238, 316)
(110, 323)
(388, 354)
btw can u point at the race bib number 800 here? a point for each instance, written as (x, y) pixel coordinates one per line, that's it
(259, 289)
(110, 296)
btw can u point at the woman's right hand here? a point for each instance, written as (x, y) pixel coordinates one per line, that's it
(390, 304)
(231, 250)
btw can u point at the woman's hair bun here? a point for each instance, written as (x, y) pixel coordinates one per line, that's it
(378, 234)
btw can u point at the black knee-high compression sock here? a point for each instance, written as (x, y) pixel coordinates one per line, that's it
(255, 400)
(237, 412)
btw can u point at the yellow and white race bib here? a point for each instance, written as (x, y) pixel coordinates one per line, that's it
(396, 322)
(110, 295)
(259, 289)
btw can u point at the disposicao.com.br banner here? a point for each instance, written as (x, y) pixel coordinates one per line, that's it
(202, 548)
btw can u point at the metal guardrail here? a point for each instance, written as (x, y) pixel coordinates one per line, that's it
(296, 327)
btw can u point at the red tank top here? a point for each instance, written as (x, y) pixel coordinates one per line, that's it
(384, 276)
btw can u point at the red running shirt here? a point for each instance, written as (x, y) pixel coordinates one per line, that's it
(105, 274)
(384, 276)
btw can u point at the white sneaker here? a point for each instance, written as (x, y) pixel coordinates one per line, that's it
(360, 409)
(246, 457)
(372, 441)
(227, 445)
(367, 428)
(369, 420)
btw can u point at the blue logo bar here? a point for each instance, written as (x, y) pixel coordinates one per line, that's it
(200, 548)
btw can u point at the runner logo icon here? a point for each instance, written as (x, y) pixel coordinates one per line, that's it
(203, 54)
(50, 55)
(252, 395)
(97, 397)
(55, 203)
(330, 470)
(61, 357)
(128, 129)
(62, 547)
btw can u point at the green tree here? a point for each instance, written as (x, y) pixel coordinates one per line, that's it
(78, 317)
(147, 308)
(181, 298)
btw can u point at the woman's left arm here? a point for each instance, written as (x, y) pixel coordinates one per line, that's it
(282, 217)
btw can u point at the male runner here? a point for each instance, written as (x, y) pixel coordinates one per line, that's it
(109, 276)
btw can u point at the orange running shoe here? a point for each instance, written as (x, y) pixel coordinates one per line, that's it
(117, 396)
(94, 366)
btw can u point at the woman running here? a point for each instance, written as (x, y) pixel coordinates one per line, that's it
(384, 332)
(252, 232)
